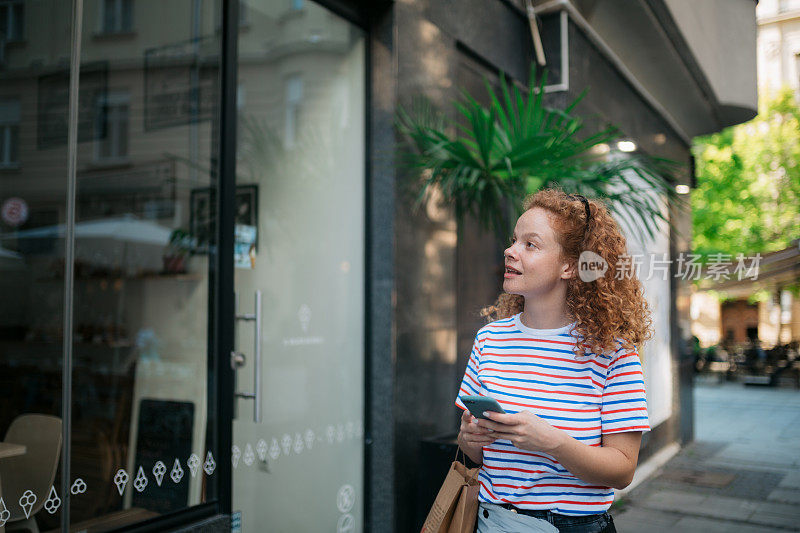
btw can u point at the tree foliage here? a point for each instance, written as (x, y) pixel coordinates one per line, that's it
(747, 198)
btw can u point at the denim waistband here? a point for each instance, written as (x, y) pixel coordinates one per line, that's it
(554, 518)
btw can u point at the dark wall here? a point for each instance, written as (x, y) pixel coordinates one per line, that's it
(439, 284)
(445, 272)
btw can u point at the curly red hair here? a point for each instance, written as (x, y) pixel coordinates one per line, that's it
(607, 311)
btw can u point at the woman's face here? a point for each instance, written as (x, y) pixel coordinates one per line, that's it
(534, 266)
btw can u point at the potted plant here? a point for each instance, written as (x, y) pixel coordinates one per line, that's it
(487, 162)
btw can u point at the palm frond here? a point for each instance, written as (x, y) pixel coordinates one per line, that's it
(489, 157)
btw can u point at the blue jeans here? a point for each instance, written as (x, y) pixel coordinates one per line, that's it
(497, 519)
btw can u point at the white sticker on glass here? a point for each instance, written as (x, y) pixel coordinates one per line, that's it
(261, 450)
(286, 444)
(310, 438)
(235, 454)
(349, 429)
(298, 444)
(177, 472)
(159, 469)
(330, 432)
(274, 450)
(140, 483)
(210, 464)
(78, 487)
(120, 480)
(193, 463)
(304, 315)
(5, 514)
(339, 433)
(53, 502)
(346, 524)
(345, 498)
(249, 456)
(26, 501)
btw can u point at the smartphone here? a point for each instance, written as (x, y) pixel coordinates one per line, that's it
(478, 404)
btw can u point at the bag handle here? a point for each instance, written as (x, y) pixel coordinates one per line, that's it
(476, 470)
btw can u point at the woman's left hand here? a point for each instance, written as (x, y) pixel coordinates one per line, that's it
(525, 430)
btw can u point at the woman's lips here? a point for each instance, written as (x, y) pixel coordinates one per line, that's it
(510, 272)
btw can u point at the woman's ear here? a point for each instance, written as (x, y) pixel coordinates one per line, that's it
(569, 270)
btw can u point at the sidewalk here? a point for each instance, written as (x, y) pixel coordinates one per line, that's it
(740, 475)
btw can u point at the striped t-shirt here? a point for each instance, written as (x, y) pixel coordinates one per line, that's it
(586, 396)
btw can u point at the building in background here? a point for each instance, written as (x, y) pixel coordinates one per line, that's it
(743, 316)
(259, 330)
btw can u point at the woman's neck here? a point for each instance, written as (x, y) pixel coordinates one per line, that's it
(545, 313)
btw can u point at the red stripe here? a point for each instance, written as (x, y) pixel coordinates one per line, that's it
(523, 470)
(473, 380)
(537, 485)
(597, 410)
(567, 428)
(541, 390)
(566, 378)
(639, 372)
(531, 454)
(629, 428)
(625, 410)
(537, 356)
(633, 391)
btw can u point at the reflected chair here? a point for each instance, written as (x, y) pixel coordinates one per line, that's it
(35, 470)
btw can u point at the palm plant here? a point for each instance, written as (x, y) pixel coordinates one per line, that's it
(487, 162)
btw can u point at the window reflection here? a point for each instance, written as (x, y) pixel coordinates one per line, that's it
(146, 128)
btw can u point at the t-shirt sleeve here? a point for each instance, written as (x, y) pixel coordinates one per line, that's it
(471, 383)
(624, 401)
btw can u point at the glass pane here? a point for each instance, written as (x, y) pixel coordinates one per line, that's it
(299, 242)
(140, 437)
(32, 213)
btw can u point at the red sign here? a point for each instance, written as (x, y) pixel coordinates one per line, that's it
(14, 211)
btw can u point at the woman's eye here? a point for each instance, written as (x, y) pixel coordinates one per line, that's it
(530, 244)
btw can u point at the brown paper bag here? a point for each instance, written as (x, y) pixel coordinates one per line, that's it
(466, 512)
(455, 509)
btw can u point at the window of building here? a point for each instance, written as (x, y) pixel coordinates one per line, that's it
(12, 19)
(111, 129)
(116, 16)
(9, 133)
(294, 98)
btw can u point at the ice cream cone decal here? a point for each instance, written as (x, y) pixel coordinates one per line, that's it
(140, 483)
(53, 502)
(193, 463)
(121, 480)
(177, 472)
(26, 501)
(159, 469)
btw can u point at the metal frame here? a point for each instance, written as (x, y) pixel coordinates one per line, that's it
(69, 257)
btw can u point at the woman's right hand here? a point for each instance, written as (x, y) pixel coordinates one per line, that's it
(471, 434)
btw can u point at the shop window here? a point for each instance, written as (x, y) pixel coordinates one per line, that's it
(9, 133)
(111, 130)
(294, 98)
(12, 19)
(117, 16)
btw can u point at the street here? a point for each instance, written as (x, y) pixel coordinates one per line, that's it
(741, 474)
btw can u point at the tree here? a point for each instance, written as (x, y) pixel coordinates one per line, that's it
(747, 198)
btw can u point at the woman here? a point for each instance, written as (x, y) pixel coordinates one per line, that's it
(561, 358)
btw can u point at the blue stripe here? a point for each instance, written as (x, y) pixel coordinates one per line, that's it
(615, 420)
(524, 462)
(629, 400)
(540, 382)
(620, 383)
(554, 367)
(584, 494)
(540, 399)
(525, 347)
(471, 387)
